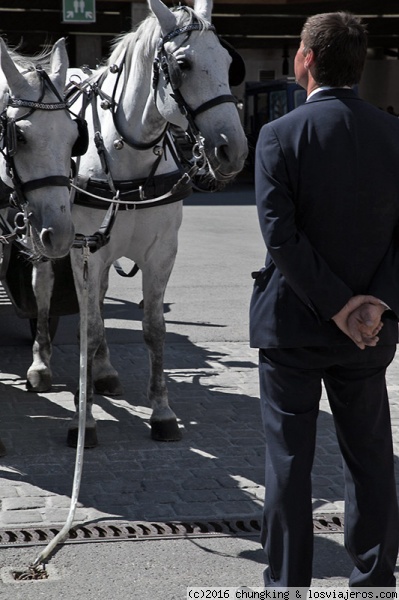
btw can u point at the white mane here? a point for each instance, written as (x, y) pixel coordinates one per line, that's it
(145, 38)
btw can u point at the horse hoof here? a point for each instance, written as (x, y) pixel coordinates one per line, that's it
(91, 440)
(165, 431)
(109, 386)
(38, 382)
(3, 450)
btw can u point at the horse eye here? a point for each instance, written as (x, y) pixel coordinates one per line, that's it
(184, 64)
(20, 136)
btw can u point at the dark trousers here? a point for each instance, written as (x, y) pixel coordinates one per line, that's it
(290, 386)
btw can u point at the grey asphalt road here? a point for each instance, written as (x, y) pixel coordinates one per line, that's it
(159, 570)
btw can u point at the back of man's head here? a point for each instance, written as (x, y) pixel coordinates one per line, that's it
(339, 44)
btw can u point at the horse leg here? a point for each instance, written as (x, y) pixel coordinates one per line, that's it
(95, 334)
(105, 377)
(39, 373)
(163, 420)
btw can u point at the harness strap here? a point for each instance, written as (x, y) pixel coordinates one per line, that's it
(5, 192)
(51, 180)
(102, 236)
(191, 27)
(179, 191)
(11, 236)
(129, 141)
(99, 142)
(213, 102)
(119, 269)
(20, 102)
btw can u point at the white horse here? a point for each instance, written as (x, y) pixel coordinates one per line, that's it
(37, 134)
(173, 70)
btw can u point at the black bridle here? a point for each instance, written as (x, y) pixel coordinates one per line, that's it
(9, 133)
(162, 62)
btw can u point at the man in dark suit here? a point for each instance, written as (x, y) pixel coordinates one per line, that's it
(325, 306)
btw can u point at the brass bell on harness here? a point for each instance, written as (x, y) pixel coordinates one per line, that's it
(158, 150)
(114, 68)
(118, 144)
(105, 104)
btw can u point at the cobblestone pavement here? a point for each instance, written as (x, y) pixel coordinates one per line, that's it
(216, 471)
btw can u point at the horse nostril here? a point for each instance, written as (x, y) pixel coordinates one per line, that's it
(46, 236)
(222, 153)
(223, 150)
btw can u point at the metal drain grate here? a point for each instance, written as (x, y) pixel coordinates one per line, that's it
(142, 530)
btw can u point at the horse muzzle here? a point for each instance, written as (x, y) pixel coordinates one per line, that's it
(51, 240)
(224, 159)
(54, 244)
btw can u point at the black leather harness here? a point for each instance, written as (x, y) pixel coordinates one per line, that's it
(154, 190)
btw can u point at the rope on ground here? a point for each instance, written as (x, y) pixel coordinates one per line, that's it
(38, 564)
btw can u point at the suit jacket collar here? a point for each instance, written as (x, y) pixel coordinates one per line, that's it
(333, 93)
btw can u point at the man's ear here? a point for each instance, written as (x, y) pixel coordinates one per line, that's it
(309, 59)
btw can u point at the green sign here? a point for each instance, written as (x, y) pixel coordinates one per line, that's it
(79, 11)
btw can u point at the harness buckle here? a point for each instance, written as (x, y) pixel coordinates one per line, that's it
(19, 221)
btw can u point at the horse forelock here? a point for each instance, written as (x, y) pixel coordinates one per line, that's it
(27, 65)
(186, 15)
(30, 62)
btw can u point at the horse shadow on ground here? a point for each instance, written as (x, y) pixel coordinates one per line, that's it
(215, 472)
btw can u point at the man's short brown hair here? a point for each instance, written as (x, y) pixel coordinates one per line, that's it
(339, 43)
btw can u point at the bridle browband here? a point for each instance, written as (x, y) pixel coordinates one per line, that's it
(19, 102)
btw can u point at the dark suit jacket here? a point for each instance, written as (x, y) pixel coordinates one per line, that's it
(327, 192)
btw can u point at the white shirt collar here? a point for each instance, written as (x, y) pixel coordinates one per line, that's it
(327, 87)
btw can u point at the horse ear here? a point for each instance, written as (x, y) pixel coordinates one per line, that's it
(59, 63)
(16, 82)
(204, 9)
(166, 18)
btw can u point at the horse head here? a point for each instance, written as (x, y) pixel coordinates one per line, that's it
(191, 85)
(37, 135)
